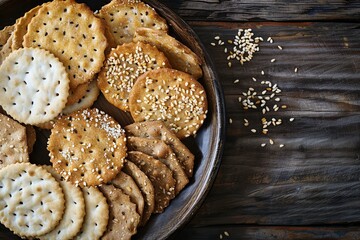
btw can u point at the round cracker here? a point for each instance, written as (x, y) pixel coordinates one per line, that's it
(74, 213)
(123, 66)
(123, 219)
(87, 147)
(172, 96)
(123, 17)
(5, 34)
(29, 195)
(73, 34)
(34, 85)
(77, 93)
(97, 214)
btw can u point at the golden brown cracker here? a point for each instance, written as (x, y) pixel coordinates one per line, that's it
(5, 34)
(77, 93)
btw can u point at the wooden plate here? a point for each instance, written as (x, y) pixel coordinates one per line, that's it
(207, 145)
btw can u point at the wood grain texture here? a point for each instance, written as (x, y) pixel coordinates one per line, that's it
(315, 178)
(264, 10)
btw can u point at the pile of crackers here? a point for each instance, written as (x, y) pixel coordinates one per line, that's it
(103, 180)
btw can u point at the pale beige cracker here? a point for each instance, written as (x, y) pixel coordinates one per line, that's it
(146, 187)
(172, 96)
(129, 187)
(31, 200)
(97, 214)
(21, 27)
(160, 176)
(159, 150)
(180, 56)
(74, 213)
(87, 147)
(77, 93)
(13, 142)
(73, 34)
(123, 219)
(158, 130)
(123, 17)
(5, 34)
(90, 96)
(34, 85)
(123, 66)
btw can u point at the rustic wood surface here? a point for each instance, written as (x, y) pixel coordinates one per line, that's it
(310, 188)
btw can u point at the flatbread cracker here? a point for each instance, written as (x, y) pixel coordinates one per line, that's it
(97, 214)
(129, 187)
(123, 17)
(74, 213)
(21, 27)
(159, 150)
(13, 142)
(77, 93)
(158, 130)
(160, 176)
(123, 66)
(123, 219)
(34, 85)
(73, 34)
(180, 56)
(6, 49)
(31, 200)
(171, 96)
(87, 147)
(5, 34)
(146, 187)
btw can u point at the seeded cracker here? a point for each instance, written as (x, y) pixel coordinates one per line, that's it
(34, 85)
(158, 130)
(97, 214)
(171, 96)
(31, 200)
(160, 176)
(180, 56)
(77, 93)
(123, 17)
(146, 187)
(124, 219)
(13, 144)
(123, 66)
(74, 213)
(87, 147)
(73, 34)
(129, 187)
(159, 150)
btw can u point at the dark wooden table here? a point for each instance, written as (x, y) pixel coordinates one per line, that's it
(309, 188)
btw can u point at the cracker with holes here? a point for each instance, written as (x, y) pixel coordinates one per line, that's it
(180, 56)
(13, 142)
(172, 96)
(34, 85)
(73, 34)
(21, 27)
(123, 66)
(124, 219)
(158, 130)
(74, 213)
(160, 176)
(123, 17)
(87, 147)
(5, 34)
(129, 187)
(97, 214)
(146, 188)
(77, 93)
(159, 150)
(31, 200)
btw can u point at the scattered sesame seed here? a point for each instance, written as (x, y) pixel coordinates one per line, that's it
(226, 233)
(213, 44)
(273, 60)
(271, 141)
(236, 81)
(253, 130)
(229, 64)
(263, 144)
(279, 47)
(254, 79)
(221, 236)
(217, 37)
(262, 73)
(283, 106)
(230, 121)
(281, 145)
(296, 70)
(291, 119)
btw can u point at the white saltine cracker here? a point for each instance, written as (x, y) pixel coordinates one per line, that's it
(13, 142)
(31, 200)
(74, 214)
(73, 34)
(97, 214)
(34, 85)
(123, 17)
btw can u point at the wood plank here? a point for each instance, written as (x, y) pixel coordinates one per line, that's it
(263, 10)
(315, 177)
(270, 232)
